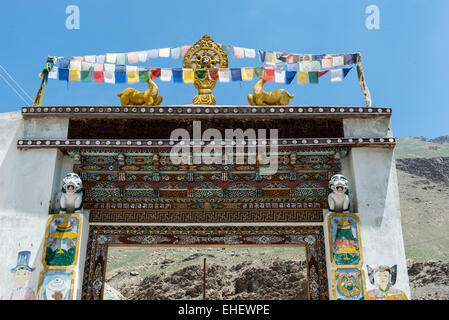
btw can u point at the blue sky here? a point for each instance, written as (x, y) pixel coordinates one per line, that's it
(403, 61)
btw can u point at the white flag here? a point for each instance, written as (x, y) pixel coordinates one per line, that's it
(53, 74)
(109, 73)
(223, 75)
(338, 61)
(166, 74)
(279, 76)
(337, 75)
(164, 52)
(250, 53)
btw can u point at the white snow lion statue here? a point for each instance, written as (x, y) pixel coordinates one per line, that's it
(72, 194)
(338, 199)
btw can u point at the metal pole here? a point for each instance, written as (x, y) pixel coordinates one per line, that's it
(204, 279)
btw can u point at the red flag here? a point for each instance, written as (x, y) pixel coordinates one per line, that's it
(155, 73)
(268, 74)
(212, 73)
(322, 73)
(98, 76)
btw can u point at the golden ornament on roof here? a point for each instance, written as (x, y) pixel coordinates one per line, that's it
(203, 55)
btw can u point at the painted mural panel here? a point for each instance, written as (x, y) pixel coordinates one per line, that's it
(348, 284)
(384, 278)
(56, 284)
(61, 240)
(344, 240)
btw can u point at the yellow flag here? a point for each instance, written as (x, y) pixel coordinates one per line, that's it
(133, 76)
(188, 75)
(302, 77)
(247, 74)
(74, 75)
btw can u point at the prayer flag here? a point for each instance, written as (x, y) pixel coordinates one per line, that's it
(223, 75)
(63, 74)
(346, 71)
(292, 67)
(164, 52)
(153, 53)
(78, 58)
(270, 58)
(350, 59)
(63, 63)
(53, 74)
(100, 58)
(282, 56)
(144, 75)
(86, 75)
(313, 77)
(315, 65)
(200, 74)
(143, 56)
(326, 63)
(336, 75)
(176, 52)
(155, 73)
(132, 73)
(268, 74)
(74, 75)
(212, 73)
(226, 48)
(262, 55)
(133, 57)
(184, 49)
(121, 58)
(98, 72)
(111, 57)
(289, 75)
(302, 77)
(166, 74)
(322, 73)
(250, 53)
(305, 66)
(293, 58)
(279, 76)
(75, 65)
(317, 57)
(238, 52)
(259, 72)
(89, 59)
(338, 61)
(236, 74)
(120, 74)
(247, 74)
(188, 75)
(85, 66)
(109, 73)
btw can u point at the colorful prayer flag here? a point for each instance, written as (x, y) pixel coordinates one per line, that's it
(155, 73)
(133, 57)
(315, 65)
(85, 66)
(250, 53)
(262, 55)
(259, 72)
(63, 63)
(121, 58)
(302, 77)
(63, 74)
(270, 58)
(350, 59)
(338, 61)
(75, 65)
(166, 74)
(132, 73)
(164, 52)
(188, 75)
(74, 75)
(111, 57)
(100, 58)
(336, 75)
(201, 73)
(247, 74)
(212, 73)
(238, 52)
(176, 52)
(305, 66)
(89, 59)
(143, 56)
(120, 74)
(322, 73)
(236, 74)
(153, 53)
(144, 75)
(53, 74)
(268, 74)
(279, 76)
(86, 75)
(292, 66)
(313, 77)
(98, 72)
(184, 49)
(223, 75)
(226, 48)
(346, 71)
(326, 63)
(109, 73)
(292, 58)
(289, 75)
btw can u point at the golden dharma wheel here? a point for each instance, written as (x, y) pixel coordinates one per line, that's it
(203, 55)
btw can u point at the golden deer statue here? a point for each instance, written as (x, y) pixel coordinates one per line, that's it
(262, 98)
(149, 97)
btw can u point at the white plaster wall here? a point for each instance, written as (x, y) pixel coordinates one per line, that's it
(367, 128)
(26, 189)
(374, 180)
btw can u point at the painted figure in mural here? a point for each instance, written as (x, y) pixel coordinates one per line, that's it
(338, 199)
(61, 243)
(346, 250)
(384, 277)
(21, 273)
(72, 194)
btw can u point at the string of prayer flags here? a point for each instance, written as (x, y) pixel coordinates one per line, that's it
(111, 57)
(322, 73)
(100, 58)
(302, 77)
(133, 57)
(176, 52)
(109, 73)
(346, 71)
(326, 62)
(166, 74)
(270, 58)
(200, 74)
(53, 74)
(144, 75)
(338, 61)
(250, 53)
(98, 72)
(164, 52)
(289, 76)
(259, 72)
(153, 53)
(121, 59)
(268, 74)
(120, 74)
(279, 76)
(143, 56)
(177, 75)
(336, 75)
(313, 77)
(261, 55)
